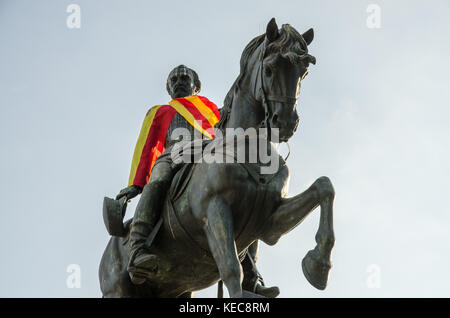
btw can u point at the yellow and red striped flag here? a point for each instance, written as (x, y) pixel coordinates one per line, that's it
(200, 112)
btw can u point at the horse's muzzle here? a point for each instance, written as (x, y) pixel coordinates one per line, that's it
(286, 128)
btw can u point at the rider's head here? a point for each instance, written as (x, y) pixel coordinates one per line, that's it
(182, 82)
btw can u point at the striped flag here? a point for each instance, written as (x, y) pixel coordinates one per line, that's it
(198, 111)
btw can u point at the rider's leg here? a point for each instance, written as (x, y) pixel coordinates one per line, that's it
(145, 218)
(251, 275)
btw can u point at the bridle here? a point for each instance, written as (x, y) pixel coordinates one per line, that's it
(284, 99)
(265, 98)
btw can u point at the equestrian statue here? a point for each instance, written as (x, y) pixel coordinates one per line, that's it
(198, 222)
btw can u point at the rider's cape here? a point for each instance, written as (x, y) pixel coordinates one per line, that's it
(201, 113)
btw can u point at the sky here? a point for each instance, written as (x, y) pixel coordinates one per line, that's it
(374, 114)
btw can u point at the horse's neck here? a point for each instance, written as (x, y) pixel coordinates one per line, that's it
(246, 112)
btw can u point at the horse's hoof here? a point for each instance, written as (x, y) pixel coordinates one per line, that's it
(316, 269)
(269, 292)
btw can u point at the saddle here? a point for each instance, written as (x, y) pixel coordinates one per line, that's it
(179, 183)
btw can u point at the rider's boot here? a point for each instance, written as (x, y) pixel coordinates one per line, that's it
(141, 262)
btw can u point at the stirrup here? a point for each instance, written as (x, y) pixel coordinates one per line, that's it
(148, 262)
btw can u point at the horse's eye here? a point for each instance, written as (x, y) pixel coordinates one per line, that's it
(268, 71)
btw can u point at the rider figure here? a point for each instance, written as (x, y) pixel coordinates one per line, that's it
(181, 82)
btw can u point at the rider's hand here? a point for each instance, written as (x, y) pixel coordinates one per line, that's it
(129, 192)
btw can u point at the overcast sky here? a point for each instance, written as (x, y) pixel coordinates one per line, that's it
(374, 118)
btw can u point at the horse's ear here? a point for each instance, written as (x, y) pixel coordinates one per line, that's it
(272, 30)
(308, 36)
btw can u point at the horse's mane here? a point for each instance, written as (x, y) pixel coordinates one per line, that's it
(289, 40)
(248, 51)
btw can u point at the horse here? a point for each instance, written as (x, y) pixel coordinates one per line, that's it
(215, 211)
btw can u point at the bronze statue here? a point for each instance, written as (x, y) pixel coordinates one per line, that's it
(206, 229)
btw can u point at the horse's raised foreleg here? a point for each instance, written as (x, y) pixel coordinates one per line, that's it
(219, 232)
(292, 211)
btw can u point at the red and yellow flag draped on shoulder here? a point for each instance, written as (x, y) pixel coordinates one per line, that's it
(201, 113)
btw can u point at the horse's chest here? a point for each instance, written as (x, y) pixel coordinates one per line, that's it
(258, 197)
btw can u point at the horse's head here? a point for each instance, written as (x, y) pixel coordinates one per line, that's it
(283, 62)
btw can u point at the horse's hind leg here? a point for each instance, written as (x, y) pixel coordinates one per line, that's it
(219, 232)
(291, 212)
